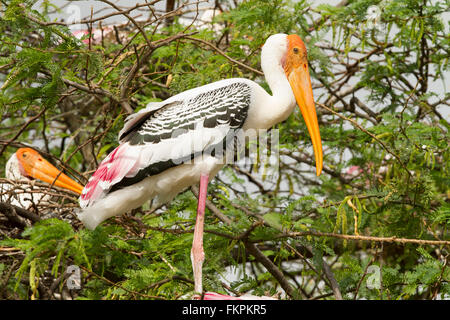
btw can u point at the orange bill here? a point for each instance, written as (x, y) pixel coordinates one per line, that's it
(301, 86)
(35, 166)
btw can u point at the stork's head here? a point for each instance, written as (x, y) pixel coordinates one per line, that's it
(289, 54)
(27, 164)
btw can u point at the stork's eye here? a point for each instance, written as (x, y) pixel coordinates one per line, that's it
(296, 50)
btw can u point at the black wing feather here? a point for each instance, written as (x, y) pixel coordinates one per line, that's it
(224, 106)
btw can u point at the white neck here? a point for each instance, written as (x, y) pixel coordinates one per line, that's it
(282, 101)
(275, 108)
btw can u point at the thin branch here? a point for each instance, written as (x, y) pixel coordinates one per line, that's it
(16, 214)
(368, 133)
(243, 65)
(22, 129)
(364, 238)
(272, 268)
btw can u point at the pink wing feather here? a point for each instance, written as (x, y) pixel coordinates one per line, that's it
(120, 163)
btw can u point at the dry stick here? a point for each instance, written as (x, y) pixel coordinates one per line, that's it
(86, 75)
(366, 132)
(11, 213)
(4, 283)
(327, 270)
(438, 282)
(126, 84)
(16, 214)
(251, 179)
(64, 166)
(42, 185)
(226, 56)
(112, 64)
(272, 268)
(323, 19)
(363, 276)
(193, 20)
(163, 42)
(22, 129)
(166, 15)
(91, 139)
(92, 20)
(402, 129)
(310, 162)
(332, 279)
(132, 20)
(363, 238)
(44, 136)
(97, 90)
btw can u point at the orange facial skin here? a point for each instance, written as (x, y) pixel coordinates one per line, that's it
(295, 65)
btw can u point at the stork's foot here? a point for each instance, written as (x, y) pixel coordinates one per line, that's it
(197, 258)
(197, 297)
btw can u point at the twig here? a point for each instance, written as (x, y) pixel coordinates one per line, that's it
(272, 268)
(327, 270)
(243, 65)
(364, 238)
(132, 20)
(368, 133)
(362, 278)
(16, 214)
(22, 129)
(92, 20)
(330, 276)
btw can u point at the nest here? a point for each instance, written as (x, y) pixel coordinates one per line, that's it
(23, 203)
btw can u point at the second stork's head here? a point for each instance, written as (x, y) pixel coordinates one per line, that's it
(28, 164)
(287, 55)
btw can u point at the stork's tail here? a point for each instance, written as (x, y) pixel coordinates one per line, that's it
(114, 204)
(89, 217)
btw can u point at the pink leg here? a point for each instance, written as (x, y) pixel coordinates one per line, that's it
(197, 254)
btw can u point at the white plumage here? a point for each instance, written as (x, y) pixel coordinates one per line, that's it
(183, 140)
(141, 169)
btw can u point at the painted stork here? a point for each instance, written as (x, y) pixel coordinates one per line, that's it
(27, 164)
(150, 161)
